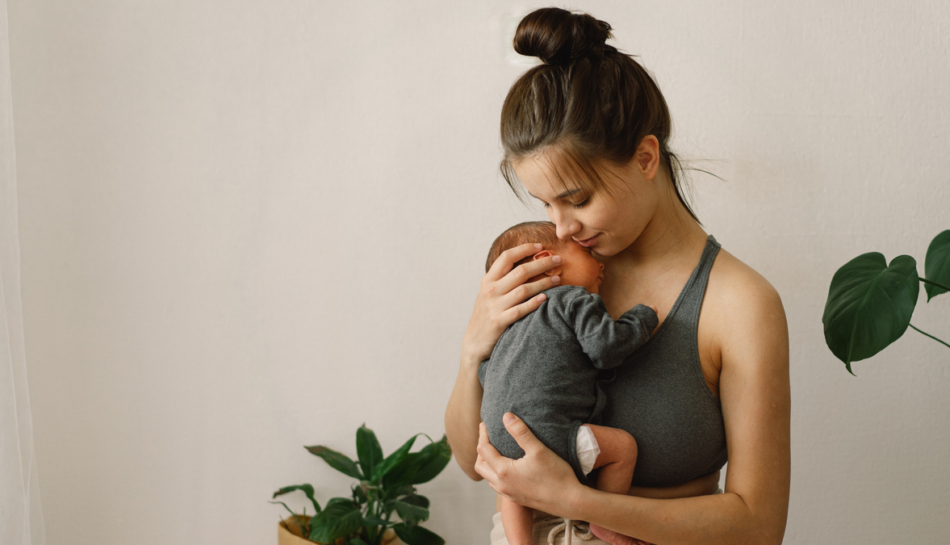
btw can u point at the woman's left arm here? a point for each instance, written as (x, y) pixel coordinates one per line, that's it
(756, 407)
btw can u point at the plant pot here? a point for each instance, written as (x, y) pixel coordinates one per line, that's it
(288, 533)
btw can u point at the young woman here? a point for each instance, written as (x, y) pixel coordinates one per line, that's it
(586, 134)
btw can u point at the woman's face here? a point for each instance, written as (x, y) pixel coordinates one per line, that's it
(606, 222)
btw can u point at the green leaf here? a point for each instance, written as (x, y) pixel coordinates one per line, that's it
(339, 502)
(420, 467)
(368, 450)
(937, 264)
(417, 535)
(305, 488)
(411, 514)
(416, 499)
(393, 459)
(340, 518)
(869, 305)
(438, 456)
(359, 495)
(296, 516)
(376, 521)
(357, 541)
(337, 461)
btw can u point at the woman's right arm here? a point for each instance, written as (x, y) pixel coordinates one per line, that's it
(505, 296)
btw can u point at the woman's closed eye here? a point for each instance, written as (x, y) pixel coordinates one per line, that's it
(581, 204)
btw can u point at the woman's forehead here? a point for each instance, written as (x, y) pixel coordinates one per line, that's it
(547, 177)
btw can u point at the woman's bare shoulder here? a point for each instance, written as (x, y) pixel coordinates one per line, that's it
(744, 306)
(731, 277)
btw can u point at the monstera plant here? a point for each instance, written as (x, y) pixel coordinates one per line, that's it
(870, 301)
(386, 490)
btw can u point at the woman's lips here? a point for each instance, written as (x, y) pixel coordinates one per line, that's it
(587, 243)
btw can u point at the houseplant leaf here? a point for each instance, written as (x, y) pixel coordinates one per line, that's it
(416, 499)
(417, 535)
(937, 264)
(393, 459)
(869, 305)
(368, 451)
(420, 467)
(337, 461)
(340, 518)
(411, 514)
(301, 522)
(439, 455)
(376, 521)
(305, 488)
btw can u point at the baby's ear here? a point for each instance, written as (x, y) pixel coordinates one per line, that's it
(541, 255)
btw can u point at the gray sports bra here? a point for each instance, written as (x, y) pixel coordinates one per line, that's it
(660, 396)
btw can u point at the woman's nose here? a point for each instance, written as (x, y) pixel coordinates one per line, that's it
(565, 225)
(565, 230)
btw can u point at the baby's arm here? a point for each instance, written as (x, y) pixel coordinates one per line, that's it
(605, 341)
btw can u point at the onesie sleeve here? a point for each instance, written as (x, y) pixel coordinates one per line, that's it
(605, 341)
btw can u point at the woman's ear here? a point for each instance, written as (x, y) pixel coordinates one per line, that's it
(647, 156)
(541, 255)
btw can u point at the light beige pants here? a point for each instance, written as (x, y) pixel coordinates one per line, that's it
(551, 530)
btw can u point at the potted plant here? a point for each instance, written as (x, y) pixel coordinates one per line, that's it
(385, 487)
(870, 302)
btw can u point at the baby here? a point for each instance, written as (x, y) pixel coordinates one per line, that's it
(545, 369)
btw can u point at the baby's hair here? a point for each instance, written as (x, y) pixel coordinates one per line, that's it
(542, 232)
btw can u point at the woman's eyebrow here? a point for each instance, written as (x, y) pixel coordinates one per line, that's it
(567, 193)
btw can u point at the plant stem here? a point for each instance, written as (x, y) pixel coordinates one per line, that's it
(934, 283)
(929, 335)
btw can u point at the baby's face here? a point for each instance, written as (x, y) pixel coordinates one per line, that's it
(579, 268)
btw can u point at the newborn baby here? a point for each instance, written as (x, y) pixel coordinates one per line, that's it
(546, 366)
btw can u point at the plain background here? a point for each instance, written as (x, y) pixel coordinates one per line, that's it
(249, 226)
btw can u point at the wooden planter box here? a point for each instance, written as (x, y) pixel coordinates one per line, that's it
(288, 533)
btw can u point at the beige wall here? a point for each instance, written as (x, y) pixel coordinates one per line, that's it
(249, 226)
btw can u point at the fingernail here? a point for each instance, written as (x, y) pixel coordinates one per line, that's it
(542, 297)
(536, 245)
(556, 259)
(508, 418)
(556, 279)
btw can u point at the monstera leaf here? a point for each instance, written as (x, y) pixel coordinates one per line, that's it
(937, 265)
(869, 305)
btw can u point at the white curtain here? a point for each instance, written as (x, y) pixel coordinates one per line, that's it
(21, 515)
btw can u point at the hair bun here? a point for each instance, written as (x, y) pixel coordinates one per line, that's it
(557, 36)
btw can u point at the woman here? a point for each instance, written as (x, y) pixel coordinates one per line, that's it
(586, 134)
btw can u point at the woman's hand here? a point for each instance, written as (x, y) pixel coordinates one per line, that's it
(505, 297)
(540, 480)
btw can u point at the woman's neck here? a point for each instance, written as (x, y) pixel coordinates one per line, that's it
(671, 237)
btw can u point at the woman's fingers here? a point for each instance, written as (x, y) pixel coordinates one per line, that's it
(508, 258)
(487, 454)
(523, 300)
(521, 434)
(526, 271)
(526, 291)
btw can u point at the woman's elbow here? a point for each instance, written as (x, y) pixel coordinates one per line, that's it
(468, 468)
(472, 474)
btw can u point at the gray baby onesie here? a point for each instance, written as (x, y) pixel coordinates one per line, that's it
(545, 369)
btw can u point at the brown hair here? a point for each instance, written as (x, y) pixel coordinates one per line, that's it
(587, 103)
(543, 232)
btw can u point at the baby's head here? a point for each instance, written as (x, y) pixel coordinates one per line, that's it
(578, 267)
